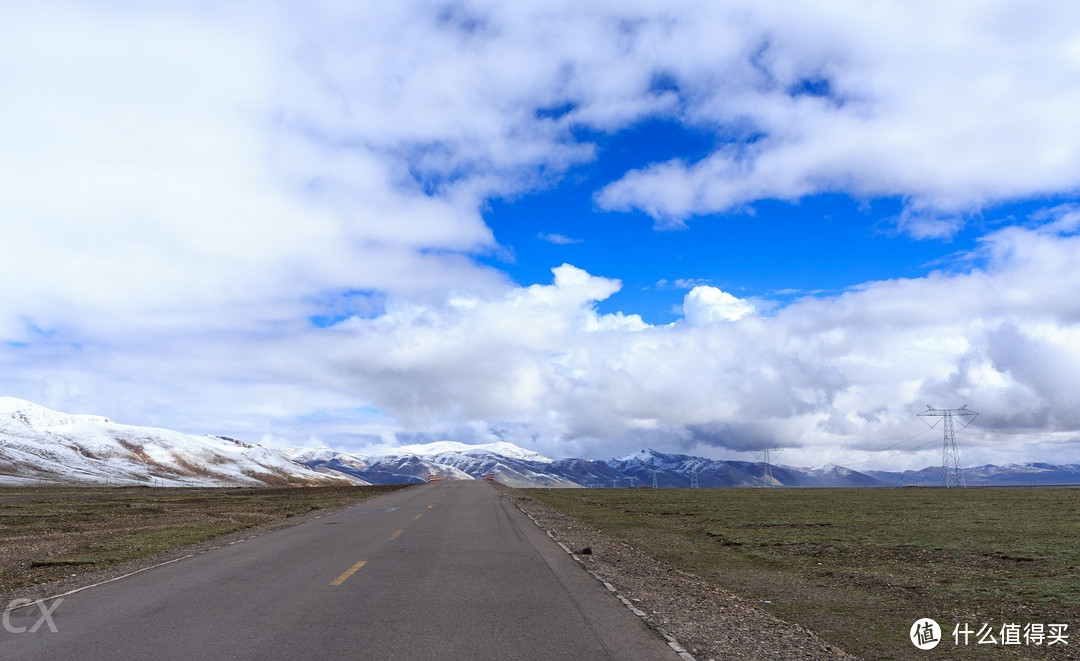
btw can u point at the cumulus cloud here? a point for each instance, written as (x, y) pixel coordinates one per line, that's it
(269, 212)
(150, 176)
(235, 165)
(705, 305)
(818, 375)
(950, 107)
(541, 366)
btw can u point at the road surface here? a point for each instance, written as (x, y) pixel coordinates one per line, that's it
(447, 570)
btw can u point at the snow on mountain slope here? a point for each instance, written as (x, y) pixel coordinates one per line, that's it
(511, 465)
(38, 445)
(501, 448)
(1030, 474)
(675, 470)
(646, 456)
(413, 463)
(37, 416)
(829, 470)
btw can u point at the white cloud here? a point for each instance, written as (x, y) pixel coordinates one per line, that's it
(680, 283)
(559, 239)
(705, 305)
(818, 376)
(950, 106)
(181, 187)
(164, 163)
(147, 180)
(540, 366)
(1063, 219)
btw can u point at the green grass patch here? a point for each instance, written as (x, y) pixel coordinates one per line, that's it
(141, 544)
(859, 566)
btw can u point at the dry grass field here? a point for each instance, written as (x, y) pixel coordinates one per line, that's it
(51, 533)
(859, 566)
(856, 566)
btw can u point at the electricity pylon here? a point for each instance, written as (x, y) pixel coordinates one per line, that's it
(951, 473)
(767, 479)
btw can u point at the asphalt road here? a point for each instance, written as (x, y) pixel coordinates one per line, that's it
(446, 570)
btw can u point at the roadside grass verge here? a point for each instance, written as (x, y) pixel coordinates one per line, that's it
(139, 544)
(859, 566)
(51, 533)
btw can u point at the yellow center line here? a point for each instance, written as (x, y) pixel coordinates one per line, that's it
(417, 516)
(348, 572)
(395, 535)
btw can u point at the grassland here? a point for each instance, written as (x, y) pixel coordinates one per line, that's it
(51, 533)
(859, 566)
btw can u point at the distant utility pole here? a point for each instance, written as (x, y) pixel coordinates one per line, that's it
(951, 473)
(614, 482)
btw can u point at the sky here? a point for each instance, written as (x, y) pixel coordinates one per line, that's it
(584, 227)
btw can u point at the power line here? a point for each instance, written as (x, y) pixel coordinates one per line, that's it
(888, 451)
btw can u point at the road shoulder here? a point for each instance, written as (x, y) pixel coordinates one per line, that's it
(709, 622)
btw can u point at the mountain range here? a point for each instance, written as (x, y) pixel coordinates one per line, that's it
(42, 446)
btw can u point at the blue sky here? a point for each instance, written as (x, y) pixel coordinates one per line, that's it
(775, 250)
(582, 227)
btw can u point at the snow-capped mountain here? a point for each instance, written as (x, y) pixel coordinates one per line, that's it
(679, 470)
(517, 466)
(510, 464)
(1033, 474)
(501, 448)
(831, 474)
(39, 445)
(649, 467)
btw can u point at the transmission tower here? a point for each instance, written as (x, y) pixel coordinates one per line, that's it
(951, 473)
(694, 483)
(654, 479)
(767, 478)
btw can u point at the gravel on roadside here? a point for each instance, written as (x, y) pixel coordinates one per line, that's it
(708, 621)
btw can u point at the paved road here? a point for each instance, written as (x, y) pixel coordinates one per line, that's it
(440, 571)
